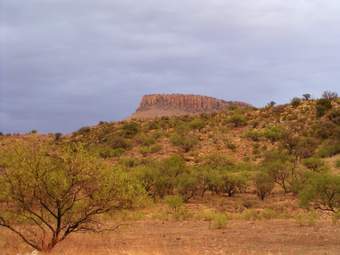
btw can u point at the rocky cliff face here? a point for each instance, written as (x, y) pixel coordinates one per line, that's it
(157, 105)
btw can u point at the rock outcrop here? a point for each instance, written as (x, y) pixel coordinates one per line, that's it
(158, 105)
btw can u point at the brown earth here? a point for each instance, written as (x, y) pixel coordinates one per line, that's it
(270, 237)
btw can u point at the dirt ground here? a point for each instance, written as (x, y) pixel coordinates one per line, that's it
(279, 237)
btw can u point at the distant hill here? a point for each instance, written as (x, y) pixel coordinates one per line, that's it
(158, 105)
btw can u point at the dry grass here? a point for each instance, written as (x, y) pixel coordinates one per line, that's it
(276, 237)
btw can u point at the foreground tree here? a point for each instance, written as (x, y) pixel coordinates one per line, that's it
(48, 193)
(322, 192)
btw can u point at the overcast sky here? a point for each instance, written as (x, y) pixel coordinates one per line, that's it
(71, 63)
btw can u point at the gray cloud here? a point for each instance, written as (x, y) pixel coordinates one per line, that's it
(66, 64)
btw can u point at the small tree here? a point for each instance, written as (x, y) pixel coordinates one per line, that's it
(233, 183)
(264, 185)
(271, 104)
(49, 193)
(307, 96)
(57, 136)
(330, 95)
(322, 192)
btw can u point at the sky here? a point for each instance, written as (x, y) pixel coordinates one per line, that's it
(65, 64)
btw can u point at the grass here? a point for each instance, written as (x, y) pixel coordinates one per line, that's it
(306, 219)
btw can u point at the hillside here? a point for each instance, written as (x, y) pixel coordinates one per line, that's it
(228, 171)
(237, 131)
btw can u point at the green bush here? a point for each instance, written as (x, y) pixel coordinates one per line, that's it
(219, 221)
(175, 203)
(329, 149)
(187, 185)
(233, 183)
(185, 142)
(197, 123)
(130, 129)
(264, 184)
(237, 120)
(337, 163)
(295, 102)
(273, 133)
(314, 164)
(254, 135)
(84, 130)
(306, 219)
(322, 106)
(334, 116)
(322, 191)
(145, 140)
(120, 143)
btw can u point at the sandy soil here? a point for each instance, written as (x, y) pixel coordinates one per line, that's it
(281, 237)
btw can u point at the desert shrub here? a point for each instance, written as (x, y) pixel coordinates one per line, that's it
(176, 207)
(322, 106)
(295, 102)
(187, 184)
(324, 129)
(273, 133)
(322, 191)
(230, 145)
(83, 130)
(174, 202)
(218, 161)
(237, 120)
(233, 183)
(264, 184)
(58, 136)
(161, 179)
(329, 149)
(65, 192)
(250, 214)
(145, 150)
(197, 123)
(334, 116)
(118, 142)
(130, 129)
(219, 221)
(306, 219)
(107, 152)
(336, 218)
(305, 147)
(145, 140)
(337, 163)
(148, 177)
(314, 164)
(185, 142)
(152, 125)
(254, 135)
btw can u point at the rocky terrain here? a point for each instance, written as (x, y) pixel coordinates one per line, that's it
(158, 105)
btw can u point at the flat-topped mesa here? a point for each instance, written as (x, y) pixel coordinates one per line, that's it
(189, 103)
(158, 105)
